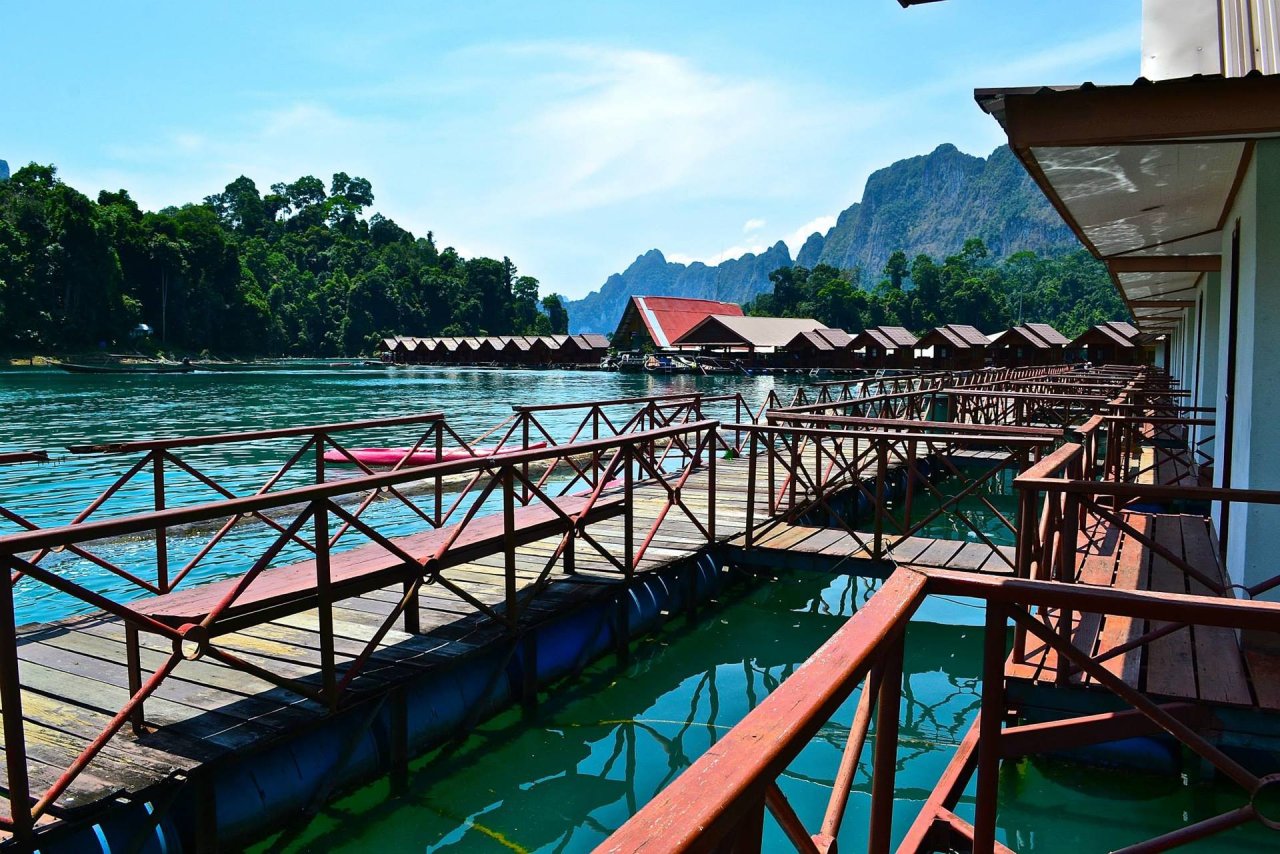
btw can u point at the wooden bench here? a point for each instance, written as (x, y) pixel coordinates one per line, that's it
(292, 589)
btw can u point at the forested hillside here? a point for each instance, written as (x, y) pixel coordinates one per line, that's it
(925, 205)
(1070, 291)
(298, 270)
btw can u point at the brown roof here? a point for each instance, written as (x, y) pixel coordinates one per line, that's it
(741, 331)
(1042, 336)
(886, 337)
(958, 335)
(1105, 332)
(1128, 330)
(826, 339)
(587, 342)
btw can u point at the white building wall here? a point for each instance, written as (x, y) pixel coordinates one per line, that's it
(1206, 384)
(1253, 536)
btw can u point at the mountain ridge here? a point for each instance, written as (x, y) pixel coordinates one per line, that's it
(926, 204)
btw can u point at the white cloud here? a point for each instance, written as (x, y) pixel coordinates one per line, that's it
(726, 254)
(753, 224)
(796, 239)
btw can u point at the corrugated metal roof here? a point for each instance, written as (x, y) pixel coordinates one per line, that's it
(1105, 331)
(1127, 330)
(958, 335)
(886, 337)
(1048, 334)
(669, 318)
(1042, 336)
(736, 330)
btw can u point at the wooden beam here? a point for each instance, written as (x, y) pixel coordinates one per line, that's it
(1166, 264)
(1162, 303)
(1175, 110)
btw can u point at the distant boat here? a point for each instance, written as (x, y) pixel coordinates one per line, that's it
(129, 368)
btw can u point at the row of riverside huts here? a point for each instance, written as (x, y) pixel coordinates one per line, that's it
(503, 350)
(679, 325)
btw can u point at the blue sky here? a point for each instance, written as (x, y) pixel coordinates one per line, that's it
(571, 136)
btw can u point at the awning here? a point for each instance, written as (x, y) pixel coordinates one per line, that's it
(1144, 174)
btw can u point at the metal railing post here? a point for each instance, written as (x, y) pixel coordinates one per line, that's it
(885, 754)
(712, 436)
(989, 728)
(15, 736)
(324, 597)
(751, 487)
(162, 535)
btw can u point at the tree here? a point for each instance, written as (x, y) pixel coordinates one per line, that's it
(557, 314)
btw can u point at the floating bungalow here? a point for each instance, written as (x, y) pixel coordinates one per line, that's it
(1029, 344)
(1114, 343)
(885, 347)
(955, 346)
(821, 348)
(754, 339)
(657, 322)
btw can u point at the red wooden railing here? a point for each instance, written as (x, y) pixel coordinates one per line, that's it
(409, 562)
(720, 802)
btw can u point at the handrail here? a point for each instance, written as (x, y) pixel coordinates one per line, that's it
(725, 787)
(252, 435)
(45, 538)
(944, 426)
(718, 803)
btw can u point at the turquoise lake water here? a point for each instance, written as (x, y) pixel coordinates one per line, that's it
(563, 777)
(47, 409)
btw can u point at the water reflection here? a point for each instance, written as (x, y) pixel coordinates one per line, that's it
(50, 409)
(564, 777)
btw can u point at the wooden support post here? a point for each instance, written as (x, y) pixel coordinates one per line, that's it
(509, 546)
(751, 488)
(885, 754)
(882, 470)
(712, 435)
(15, 737)
(989, 728)
(162, 533)
(629, 514)
(133, 665)
(439, 488)
(324, 597)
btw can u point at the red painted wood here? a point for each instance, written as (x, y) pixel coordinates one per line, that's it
(371, 563)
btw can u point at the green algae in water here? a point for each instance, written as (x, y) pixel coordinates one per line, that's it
(563, 777)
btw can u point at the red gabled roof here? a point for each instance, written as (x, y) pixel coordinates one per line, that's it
(669, 318)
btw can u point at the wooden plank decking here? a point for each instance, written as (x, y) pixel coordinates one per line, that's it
(1199, 663)
(74, 676)
(920, 551)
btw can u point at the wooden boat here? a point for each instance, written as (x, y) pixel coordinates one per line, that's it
(129, 368)
(424, 457)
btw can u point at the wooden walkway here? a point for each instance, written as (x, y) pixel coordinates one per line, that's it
(919, 551)
(1201, 663)
(74, 676)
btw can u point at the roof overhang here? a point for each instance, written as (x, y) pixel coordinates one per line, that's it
(1145, 175)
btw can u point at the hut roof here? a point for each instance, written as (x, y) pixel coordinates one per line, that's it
(669, 318)
(826, 339)
(958, 335)
(1042, 336)
(739, 331)
(887, 337)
